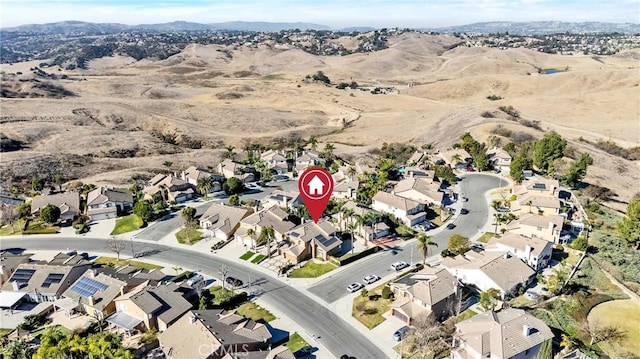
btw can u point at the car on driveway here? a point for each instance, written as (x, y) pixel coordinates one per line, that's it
(370, 279)
(451, 226)
(417, 267)
(465, 199)
(234, 282)
(503, 209)
(464, 211)
(399, 265)
(281, 178)
(400, 333)
(354, 287)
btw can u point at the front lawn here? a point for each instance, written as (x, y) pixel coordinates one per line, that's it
(258, 258)
(255, 312)
(127, 224)
(247, 255)
(466, 315)
(296, 342)
(312, 269)
(113, 262)
(7, 230)
(226, 298)
(487, 236)
(368, 310)
(35, 227)
(188, 236)
(4, 332)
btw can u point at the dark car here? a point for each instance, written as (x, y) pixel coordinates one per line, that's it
(451, 226)
(464, 211)
(417, 267)
(234, 282)
(345, 356)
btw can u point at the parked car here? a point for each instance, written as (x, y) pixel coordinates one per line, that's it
(400, 333)
(465, 199)
(234, 282)
(195, 279)
(451, 226)
(346, 356)
(399, 265)
(503, 209)
(354, 287)
(370, 279)
(417, 267)
(464, 211)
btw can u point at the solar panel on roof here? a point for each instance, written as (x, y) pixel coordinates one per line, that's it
(22, 275)
(86, 287)
(51, 279)
(539, 186)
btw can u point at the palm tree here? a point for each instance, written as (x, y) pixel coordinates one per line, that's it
(250, 233)
(328, 150)
(77, 345)
(313, 142)
(567, 343)
(346, 215)
(164, 192)
(99, 346)
(18, 349)
(488, 298)
(424, 242)
(204, 186)
(351, 227)
(266, 235)
(351, 172)
(360, 220)
(229, 153)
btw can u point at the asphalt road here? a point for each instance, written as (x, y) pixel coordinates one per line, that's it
(473, 186)
(332, 331)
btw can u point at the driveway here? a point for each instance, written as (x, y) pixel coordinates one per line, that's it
(170, 222)
(473, 186)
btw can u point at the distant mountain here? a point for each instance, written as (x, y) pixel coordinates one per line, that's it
(358, 29)
(64, 27)
(540, 27)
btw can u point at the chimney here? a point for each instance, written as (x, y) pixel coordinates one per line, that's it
(192, 320)
(526, 330)
(91, 301)
(527, 250)
(506, 255)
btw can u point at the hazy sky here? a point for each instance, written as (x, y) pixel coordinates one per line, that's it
(334, 13)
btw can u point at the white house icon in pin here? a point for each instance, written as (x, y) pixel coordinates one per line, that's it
(316, 186)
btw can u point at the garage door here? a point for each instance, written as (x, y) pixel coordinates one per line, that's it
(396, 313)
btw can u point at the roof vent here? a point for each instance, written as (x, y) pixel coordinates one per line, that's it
(192, 320)
(507, 255)
(526, 330)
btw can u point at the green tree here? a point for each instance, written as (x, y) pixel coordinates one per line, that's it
(488, 298)
(548, 149)
(387, 293)
(204, 186)
(16, 349)
(577, 170)
(458, 244)
(629, 226)
(37, 184)
(520, 163)
(233, 186)
(144, 210)
(24, 209)
(189, 213)
(266, 236)
(424, 242)
(50, 214)
(60, 180)
(234, 200)
(581, 243)
(546, 350)
(230, 152)
(567, 343)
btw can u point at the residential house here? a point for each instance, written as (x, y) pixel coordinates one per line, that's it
(486, 270)
(536, 252)
(230, 168)
(456, 158)
(538, 186)
(93, 294)
(576, 354)
(406, 210)
(104, 203)
(276, 161)
(273, 216)
(169, 188)
(8, 204)
(282, 199)
(363, 169)
(193, 175)
(431, 290)
(68, 202)
(499, 158)
(537, 204)
(417, 172)
(221, 221)
(44, 282)
(535, 225)
(8, 263)
(311, 240)
(307, 159)
(420, 190)
(149, 307)
(415, 158)
(345, 190)
(370, 231)
(509, 333)
(214, 334)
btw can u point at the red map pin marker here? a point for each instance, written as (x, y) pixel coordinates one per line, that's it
(315, 186)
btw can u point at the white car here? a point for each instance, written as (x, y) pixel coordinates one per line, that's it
(399, 265)
(354, 287)
(370, 279)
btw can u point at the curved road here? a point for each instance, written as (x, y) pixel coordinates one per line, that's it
(330, 329)
(472, 186)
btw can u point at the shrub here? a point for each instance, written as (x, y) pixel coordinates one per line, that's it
(521, 137)
(509, 110)
(533, 124)
(487, 114)
(33, 321)
(217, 245)
(494, 98)
(500, 130)
(364, 293)
(387, 293)
(370, 310)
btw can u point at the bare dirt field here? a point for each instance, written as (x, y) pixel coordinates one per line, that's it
(125, 117)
